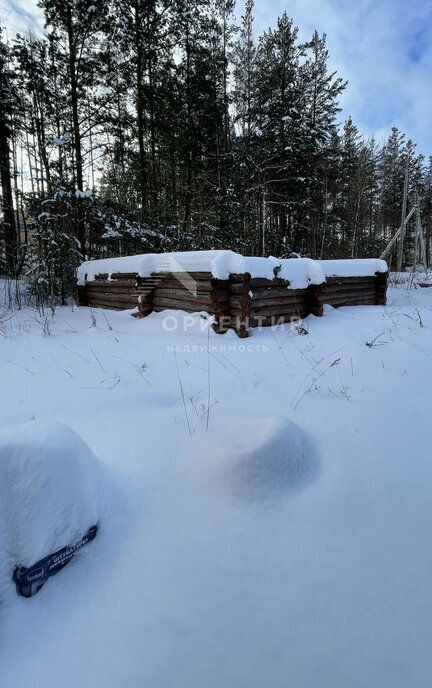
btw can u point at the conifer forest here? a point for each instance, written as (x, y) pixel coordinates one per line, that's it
(142, 126)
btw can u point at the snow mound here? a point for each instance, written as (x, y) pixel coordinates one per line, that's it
(300, 272)
(250, 457)
(49, 494)
(364, 267)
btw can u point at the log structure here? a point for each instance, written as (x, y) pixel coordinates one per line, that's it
(238, 302)
(191, 292)
(258, 302)
(355, 291)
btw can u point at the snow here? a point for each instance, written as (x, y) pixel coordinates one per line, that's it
(247, 456)
(49, 494)
(226, 559)
(416, 278)
(364, 267)
(299, 271)
(83, 194)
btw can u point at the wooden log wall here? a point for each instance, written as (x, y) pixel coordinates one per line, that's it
(355, 291)
(191, 292)
(118, 293)
(256, 302)
(238, 303)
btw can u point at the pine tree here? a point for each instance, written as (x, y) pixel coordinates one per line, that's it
(392, 173)
(9, 229)
(321, 90)
(245, 126)
(279, 129)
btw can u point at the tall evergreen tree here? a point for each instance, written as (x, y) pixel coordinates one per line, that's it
(9, 229)
(321, 90)
(279, 129)
(245, 126)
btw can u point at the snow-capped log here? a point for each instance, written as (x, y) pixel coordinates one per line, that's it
(240, 291)
(50, 483)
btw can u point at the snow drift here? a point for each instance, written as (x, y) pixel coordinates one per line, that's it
(49, 494)
(249, 456)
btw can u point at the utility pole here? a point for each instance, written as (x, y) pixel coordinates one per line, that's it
(403, 224)
(423, 247)
(397, 235)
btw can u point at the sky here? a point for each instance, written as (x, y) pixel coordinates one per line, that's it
(382, 47)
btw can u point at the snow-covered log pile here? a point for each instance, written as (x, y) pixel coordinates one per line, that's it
(240, 291)
(355, 282)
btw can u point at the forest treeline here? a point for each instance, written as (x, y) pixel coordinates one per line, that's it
(151, 125)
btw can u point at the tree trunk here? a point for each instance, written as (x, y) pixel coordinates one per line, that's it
(78, 171)
(143, 177)
(10, 235)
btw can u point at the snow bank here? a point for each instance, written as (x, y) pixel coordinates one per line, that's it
(300, 272)
(250, 457)
(366, 267)
(49, 494)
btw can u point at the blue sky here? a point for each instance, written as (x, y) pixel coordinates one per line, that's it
(383, 48)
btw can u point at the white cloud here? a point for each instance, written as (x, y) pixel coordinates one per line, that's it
(18, 16)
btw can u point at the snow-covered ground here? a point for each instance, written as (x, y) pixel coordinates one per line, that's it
(289, 544)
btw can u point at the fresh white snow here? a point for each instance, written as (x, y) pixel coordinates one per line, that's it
(288, 545)
(248, 456)
(356, 267)
(299, 271)
(413, 279)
